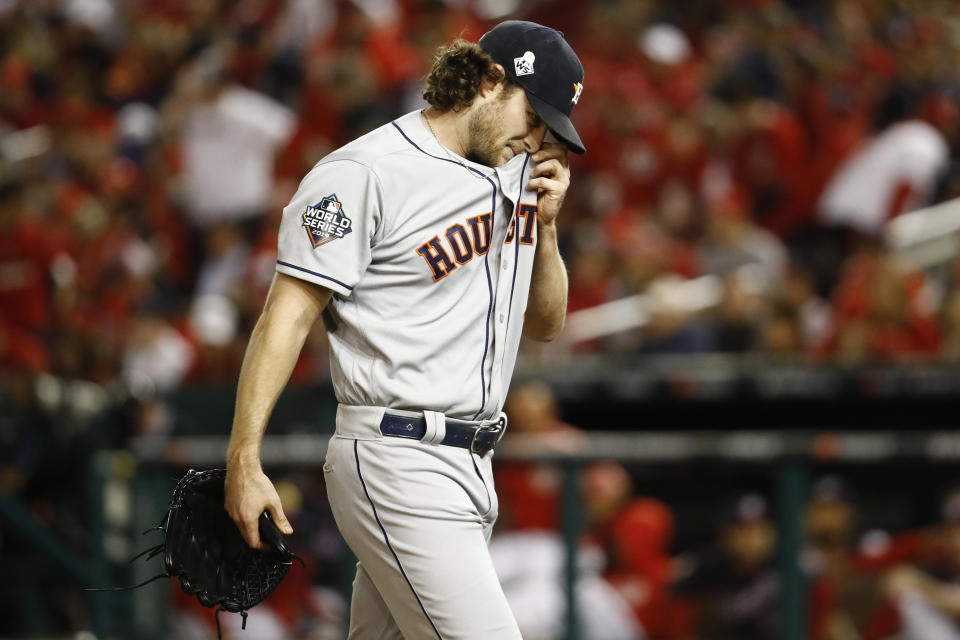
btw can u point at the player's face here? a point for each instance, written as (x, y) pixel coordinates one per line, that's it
(503, 126)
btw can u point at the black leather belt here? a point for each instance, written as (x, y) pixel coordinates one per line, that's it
(479, 439)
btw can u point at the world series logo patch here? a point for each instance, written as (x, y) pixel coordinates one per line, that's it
(523, 66)
(326, 221)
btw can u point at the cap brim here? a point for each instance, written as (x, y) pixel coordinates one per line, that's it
(558, 122)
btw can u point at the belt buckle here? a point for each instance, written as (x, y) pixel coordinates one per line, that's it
(497, 426)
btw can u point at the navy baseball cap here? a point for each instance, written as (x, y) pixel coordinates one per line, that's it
(539, 59)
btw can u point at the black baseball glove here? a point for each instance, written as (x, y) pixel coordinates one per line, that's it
(203, 548)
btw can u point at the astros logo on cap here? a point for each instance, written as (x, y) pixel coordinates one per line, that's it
(577, 88)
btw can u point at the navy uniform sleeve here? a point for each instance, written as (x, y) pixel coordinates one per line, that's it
(327, 229)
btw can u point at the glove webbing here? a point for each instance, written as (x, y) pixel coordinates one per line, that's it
(157, 550)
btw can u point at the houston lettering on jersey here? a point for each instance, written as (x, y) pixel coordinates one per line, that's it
(326, 221)
(458, 245)
(526, 216)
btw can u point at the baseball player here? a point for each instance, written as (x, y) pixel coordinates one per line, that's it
(428, 246)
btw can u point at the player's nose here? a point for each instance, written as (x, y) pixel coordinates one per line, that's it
(534, 138)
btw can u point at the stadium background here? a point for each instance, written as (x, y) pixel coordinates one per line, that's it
(760, 428)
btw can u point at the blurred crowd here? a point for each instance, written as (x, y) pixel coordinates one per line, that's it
(861, 579)
(147, 148)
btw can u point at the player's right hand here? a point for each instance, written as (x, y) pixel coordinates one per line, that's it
(249, 493)
(551, 178)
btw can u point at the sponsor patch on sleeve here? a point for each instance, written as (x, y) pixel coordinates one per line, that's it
(326, 221)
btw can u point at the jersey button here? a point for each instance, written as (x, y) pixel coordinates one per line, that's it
(506, 265)
(502, 318)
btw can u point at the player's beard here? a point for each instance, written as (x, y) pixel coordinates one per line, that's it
(487, 142)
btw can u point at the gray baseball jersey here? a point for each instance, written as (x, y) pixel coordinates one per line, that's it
(429, 257)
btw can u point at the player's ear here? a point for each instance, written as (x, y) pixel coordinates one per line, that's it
(487, 85)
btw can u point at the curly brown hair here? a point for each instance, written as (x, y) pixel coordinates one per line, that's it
(458, 72)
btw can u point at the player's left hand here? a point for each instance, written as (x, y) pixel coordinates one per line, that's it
(551, 177)
(248, 493)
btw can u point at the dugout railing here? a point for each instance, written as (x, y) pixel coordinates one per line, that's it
(786, 458)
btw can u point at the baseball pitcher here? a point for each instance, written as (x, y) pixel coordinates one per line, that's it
(428, 246)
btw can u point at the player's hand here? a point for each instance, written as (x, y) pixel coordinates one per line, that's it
(551, 177)
(249, 493)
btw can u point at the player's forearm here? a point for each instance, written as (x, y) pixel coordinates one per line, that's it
(547, 304)
(272, 352)
(267, 366)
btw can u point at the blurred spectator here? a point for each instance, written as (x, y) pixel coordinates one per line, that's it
(529, 492)
(230, 137)
(590, 267)
(636, 535)
(738, 317)
(895, 172)
(157, 356)
(950, 320)
(882, 308)
(528, 550)
(902, 168)
(225, 264)
(214, 324)
(927, 595)
(846, 594)
(812, 313)
(531, 567)
(769, 160)
(782, 331)
(735, 584)
(733, 241)
(27, 255)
